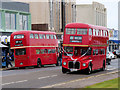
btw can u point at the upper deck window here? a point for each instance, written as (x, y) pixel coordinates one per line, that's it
(47, 36)
(97, 32)
(106, 33)
(31, 36)
(90, 31)
(51, 36)
(55, 36)
(101, 33)
(94, 32)
(81, 31)
(36, 36)
(42, 36)
(18, 36)
(70, 30)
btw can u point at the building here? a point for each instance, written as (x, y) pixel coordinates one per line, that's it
(52, 15)
(94, 13)
(119, 22)
(14, 16)
(113, 40)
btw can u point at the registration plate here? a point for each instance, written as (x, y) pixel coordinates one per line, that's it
(73, 70)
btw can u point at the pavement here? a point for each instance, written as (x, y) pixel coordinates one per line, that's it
(52, 77)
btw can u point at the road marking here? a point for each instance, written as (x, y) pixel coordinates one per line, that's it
(59, 84)
(14, 82)
(47, 77)
(111, 68)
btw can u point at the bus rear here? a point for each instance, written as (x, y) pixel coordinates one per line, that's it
(19, 41)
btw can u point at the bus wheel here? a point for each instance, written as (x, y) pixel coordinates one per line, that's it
(103, 68)
(39, 64)
(89, 69)
(64, 70)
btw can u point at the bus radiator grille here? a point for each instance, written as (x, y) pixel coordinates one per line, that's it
(75, 65)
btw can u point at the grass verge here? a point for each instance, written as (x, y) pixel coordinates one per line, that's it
(106, 84)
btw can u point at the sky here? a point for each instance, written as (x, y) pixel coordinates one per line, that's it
(112, 11)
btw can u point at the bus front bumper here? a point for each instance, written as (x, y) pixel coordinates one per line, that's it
(75, 65)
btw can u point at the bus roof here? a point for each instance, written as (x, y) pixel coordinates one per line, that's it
(83, 25)
(37, 32)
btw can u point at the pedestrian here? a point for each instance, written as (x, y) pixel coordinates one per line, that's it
(60, 58)
(8, 60)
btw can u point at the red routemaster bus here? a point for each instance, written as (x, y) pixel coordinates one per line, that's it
(84, 47)
(34, 48)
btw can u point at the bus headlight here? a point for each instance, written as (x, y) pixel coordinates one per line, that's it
(84, 64)
(64, 63)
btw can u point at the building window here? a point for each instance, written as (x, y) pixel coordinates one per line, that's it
(10, 21)
(0, 20)
(23, 22)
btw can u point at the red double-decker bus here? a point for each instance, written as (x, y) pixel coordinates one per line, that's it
(34, 48)
(84, 47)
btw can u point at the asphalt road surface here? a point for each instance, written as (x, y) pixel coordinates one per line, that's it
(52, 77)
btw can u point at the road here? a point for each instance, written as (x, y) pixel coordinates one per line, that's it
(52, 77)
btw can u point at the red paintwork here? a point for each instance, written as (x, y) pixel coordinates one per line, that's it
(30, 59)
(89, 40)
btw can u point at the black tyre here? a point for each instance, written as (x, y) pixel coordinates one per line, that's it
(39, 64)
(89, 69)
(64, 70)
(103, 68)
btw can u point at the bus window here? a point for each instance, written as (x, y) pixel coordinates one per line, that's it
(31, 36)
(55, 36)
(101, 33)
(68, 50)
(70, 30)
(36, 36)
(96, 51)
(42, 51)
(97, 32)
(47, 36)
(37, 51)
(45, 50)
(18, 36)
(104, 33)
(94, 32)
(93, 52)
(49, 51)
(90, 31)
(43, 36)
(85, 51)
(40, 36)
(81, 31)
(53, 50)
(51, 36)
(20, 52)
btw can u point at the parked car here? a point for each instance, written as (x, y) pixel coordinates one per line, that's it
(109, 56)
(117, 53)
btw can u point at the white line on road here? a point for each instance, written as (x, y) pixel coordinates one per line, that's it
(59, 84)
(14, 82)
(47, 77)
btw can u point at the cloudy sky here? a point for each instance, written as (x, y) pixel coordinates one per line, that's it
(112, 10)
